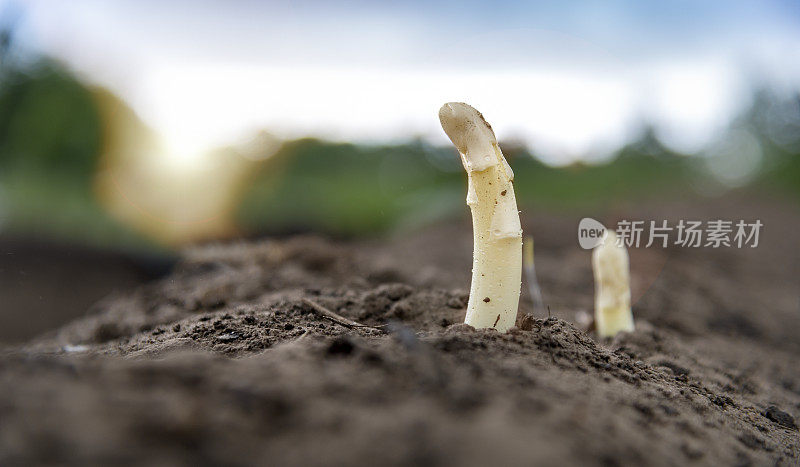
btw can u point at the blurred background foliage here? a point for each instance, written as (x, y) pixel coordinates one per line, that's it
(55, 140)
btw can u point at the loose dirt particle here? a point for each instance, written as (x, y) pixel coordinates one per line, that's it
(780, 417)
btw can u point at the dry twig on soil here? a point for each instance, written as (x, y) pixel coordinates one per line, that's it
(337, 318)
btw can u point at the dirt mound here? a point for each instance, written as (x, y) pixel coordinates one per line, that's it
(229, 361)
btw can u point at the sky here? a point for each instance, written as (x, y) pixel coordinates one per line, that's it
(574, 80)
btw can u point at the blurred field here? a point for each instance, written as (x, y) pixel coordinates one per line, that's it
(80, 172)
(52, 137)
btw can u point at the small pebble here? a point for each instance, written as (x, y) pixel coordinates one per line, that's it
(228, 337)
(780, 417)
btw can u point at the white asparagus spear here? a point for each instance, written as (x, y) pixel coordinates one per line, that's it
(612, 309)
(530, 274)
(497, 235)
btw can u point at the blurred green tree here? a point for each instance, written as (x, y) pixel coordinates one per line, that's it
(48, 124)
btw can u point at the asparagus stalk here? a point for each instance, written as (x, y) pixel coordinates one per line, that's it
(497, 235)
(612, 287)
(530, 274)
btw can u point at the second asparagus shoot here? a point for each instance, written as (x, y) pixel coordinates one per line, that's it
(612, 287)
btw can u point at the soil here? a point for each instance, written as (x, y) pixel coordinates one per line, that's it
(226, 361)
(36, 273)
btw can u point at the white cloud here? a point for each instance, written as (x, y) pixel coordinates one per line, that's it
(208, 77)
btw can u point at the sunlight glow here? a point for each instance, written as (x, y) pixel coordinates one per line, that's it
(564, 116)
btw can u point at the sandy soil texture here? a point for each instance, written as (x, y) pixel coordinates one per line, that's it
(227, 361)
